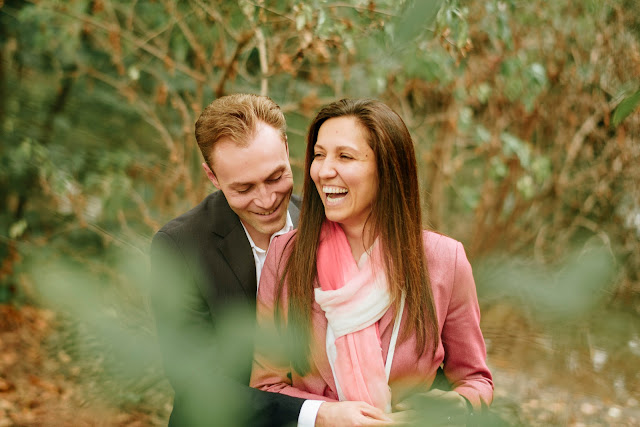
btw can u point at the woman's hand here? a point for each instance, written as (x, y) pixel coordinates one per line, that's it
(351, 414)
(440, 408)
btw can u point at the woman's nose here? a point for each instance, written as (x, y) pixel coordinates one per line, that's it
(327, 169)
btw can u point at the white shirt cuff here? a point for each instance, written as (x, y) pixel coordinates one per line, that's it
(308, 413)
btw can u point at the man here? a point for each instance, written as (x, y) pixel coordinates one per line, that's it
(206, 265)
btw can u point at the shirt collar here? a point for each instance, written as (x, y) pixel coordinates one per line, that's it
(288, 226)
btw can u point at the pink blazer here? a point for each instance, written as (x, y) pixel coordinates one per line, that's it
(461, 348)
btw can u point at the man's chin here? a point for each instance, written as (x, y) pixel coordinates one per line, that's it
(276, 226)
(270, 227)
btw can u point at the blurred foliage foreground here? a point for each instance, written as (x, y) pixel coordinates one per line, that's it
(526, 126)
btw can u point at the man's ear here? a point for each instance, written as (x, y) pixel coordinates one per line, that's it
(211, 175)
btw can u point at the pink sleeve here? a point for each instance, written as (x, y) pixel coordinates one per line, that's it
(271, 367)
(465, 354)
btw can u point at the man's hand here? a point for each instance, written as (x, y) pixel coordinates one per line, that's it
(333, 414)
(446, 408)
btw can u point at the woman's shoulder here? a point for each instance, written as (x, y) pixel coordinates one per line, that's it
(436, 241)
(282, 241)
(277, 255)
(441, 250)
(280, 248)
(287, 236)
(446, 258)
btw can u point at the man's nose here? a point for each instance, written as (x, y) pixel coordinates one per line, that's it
(265, 198)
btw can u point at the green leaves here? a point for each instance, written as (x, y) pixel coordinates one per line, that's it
(537, 168)
(17, 228)
(512, 145)
(625, 108)
(415, 19)
(522, 81)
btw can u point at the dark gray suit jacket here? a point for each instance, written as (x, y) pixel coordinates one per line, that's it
(203, 298)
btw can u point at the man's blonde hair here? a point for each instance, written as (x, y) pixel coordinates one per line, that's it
(236, 117)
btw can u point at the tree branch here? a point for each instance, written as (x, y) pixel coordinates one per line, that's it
(228, 72)
(264, 67)
(141, 44)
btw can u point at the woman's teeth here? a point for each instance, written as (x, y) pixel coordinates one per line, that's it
(334, 191)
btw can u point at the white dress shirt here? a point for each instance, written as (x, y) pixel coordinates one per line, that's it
(309, 409)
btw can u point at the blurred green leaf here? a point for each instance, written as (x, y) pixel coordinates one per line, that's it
(498, 169)
(417, 16)
(541, 168)
(568, 290)
(465, 118)
(537, 73)
(525, 186)
(625, 108)
(482, 92)
(17, 229)
(482, 135)
(511, 145)
(470, 197)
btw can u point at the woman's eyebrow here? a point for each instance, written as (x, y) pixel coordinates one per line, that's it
(339, 147)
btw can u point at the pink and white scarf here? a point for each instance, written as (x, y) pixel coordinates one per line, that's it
(354, 297)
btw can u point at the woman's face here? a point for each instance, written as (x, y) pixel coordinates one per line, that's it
(344, 171)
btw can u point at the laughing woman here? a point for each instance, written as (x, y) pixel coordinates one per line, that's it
(375, 303)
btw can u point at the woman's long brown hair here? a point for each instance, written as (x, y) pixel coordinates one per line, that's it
(395, 219)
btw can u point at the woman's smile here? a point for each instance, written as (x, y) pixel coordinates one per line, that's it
(334, 195)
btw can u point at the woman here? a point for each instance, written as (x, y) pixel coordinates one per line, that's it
(376, 303)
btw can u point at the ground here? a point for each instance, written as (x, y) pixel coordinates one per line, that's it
(41, 388)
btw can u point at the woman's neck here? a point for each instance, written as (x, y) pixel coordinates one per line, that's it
(359, 239)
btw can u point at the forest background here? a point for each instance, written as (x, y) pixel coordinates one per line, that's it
(525, 119)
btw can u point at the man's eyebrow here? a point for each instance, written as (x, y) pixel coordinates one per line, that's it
(277, 171)
(238, 184)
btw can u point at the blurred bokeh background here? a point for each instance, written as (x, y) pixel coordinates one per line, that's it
(527, 129)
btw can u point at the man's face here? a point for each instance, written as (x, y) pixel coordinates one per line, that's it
(256, 180)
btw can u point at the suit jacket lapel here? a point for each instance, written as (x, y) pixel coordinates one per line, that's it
(233, 244)
(237, 252)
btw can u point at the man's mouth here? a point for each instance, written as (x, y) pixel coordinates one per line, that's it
(266, 213)
(269, 212)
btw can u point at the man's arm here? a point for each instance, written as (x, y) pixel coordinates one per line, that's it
(199, 356)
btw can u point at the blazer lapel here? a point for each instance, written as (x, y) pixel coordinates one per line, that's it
(237, 252)
(233, 244)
